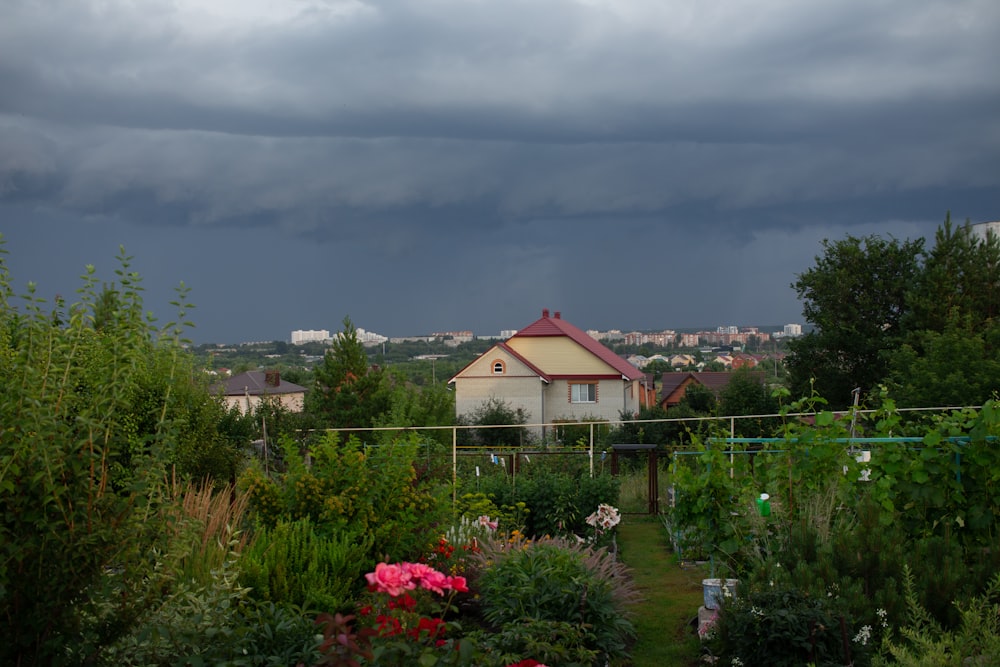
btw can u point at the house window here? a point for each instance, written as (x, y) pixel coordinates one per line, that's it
(498, 367)
(583, 393)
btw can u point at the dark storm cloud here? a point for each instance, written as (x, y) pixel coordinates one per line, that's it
(417, 141)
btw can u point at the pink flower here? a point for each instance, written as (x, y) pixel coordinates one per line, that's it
(417, 571)
(485, 522)
(391, 579)
(435, 581)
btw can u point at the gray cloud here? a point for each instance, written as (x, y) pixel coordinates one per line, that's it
(507, 143)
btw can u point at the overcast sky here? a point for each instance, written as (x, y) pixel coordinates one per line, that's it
(426, 165)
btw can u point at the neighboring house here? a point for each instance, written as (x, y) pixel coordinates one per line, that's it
(248, 390)
(682, 360)
(748, 360)
(554, 372)
(673, 385)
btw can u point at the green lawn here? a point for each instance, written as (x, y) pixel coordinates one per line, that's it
(671, 595)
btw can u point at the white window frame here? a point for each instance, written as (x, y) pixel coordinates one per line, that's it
(575, 392)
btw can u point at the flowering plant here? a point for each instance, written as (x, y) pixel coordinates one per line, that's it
(605, 518)
(409, 612)
(603, 521)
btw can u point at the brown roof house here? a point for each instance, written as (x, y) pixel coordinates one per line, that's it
(248, 390)
(555, 372)
(673, 385)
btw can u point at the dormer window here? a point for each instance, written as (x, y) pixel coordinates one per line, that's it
(499, 368)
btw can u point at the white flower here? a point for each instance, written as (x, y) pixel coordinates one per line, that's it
(864, 634)
(606, 517)
(883, 615)
(736, 662)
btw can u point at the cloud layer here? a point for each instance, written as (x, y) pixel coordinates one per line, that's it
(457, 148)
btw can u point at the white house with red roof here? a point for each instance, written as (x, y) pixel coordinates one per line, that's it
(554, 371)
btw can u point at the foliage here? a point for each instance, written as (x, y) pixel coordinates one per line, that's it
(430, 405)
(217, 624)
(347, 391)
(549, 642)
(923, 642)
(555, 502)
(954, 366)
(292, 563)
(495, 412)
(746, 394)
(922, 321)
(207, 530)
(88, 430)
(784, 628)
(855, 296)
(556, 580)
(344, 488)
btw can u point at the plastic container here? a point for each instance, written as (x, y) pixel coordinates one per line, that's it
(712, 590)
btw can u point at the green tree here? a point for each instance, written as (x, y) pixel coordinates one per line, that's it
(747, 394)
(955, 367)
(958, 284)
(855, 297)
(700, 399)
(347, 391)
(496, 412)
(81, 477)
(430, 405)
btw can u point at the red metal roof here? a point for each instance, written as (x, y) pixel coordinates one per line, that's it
(556, 326)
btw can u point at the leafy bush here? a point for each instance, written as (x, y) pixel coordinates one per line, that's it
(784, 628)
(558, 581)
(556, 503)
(293, 563)
(924, 643)
(89, 424)
(344, 488)
(218, 624)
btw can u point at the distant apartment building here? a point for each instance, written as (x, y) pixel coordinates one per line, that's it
(792, 330)
(689, 340)
(732, 336)
(507, 333)
(454, 337)
(310, 336)
(662, 339)
(610, 334)
(370, 337)
(983, 228)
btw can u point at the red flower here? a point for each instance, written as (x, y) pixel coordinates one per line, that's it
(458, 584)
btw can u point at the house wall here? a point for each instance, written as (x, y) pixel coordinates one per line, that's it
(611, 400)
(559, 356)
(518, 387)
(291, 402)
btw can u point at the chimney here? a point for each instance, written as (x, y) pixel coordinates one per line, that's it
(558, 314)
(272, 378)
(545, 312)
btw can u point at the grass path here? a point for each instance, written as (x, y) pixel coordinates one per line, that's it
(670, 593)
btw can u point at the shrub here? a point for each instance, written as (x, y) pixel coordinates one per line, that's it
(89, 420)
(217, 624)
(783, 627)
(554, 580)
(923, 641)
(557, 504)
(293, 563)
(345, 488)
